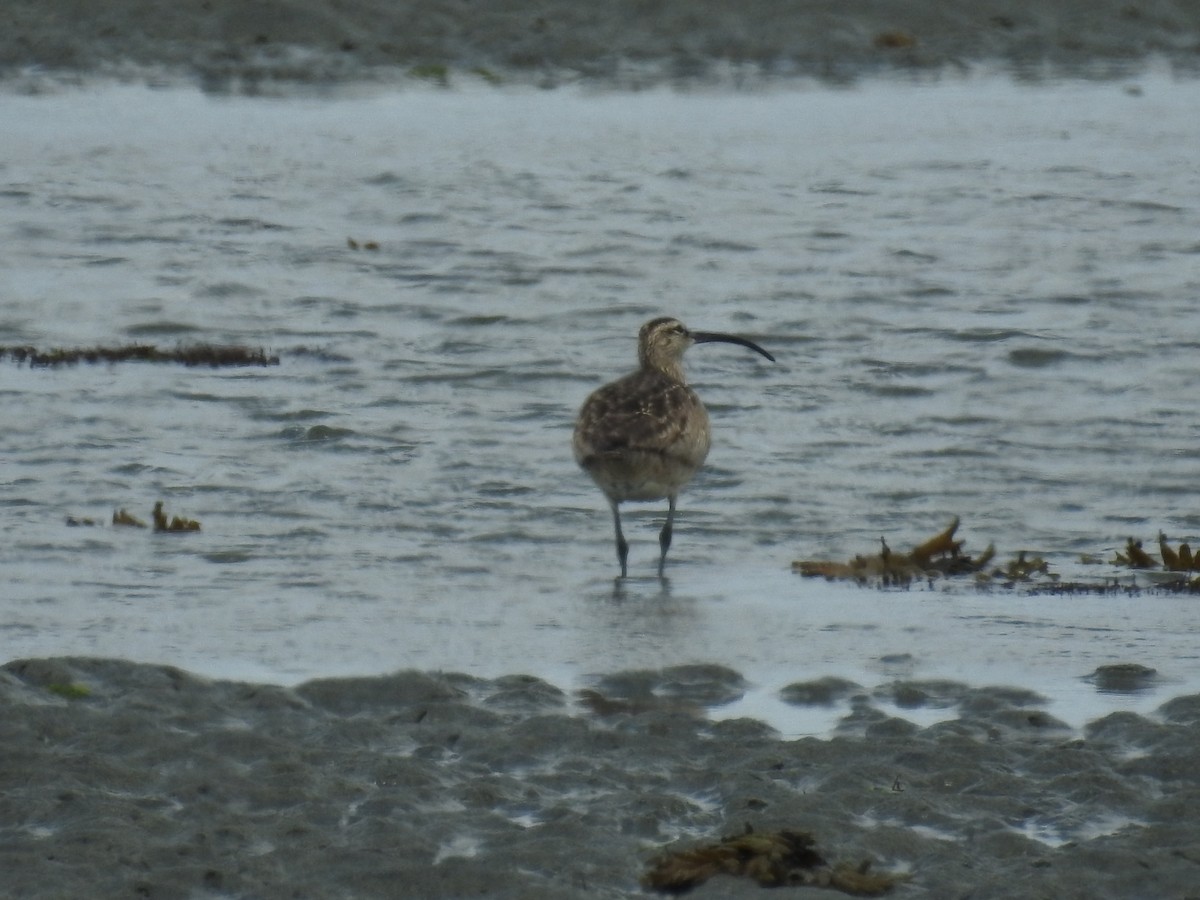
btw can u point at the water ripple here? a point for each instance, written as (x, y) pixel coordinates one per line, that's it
(972, 314)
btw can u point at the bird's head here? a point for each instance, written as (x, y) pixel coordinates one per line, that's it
(661, 344)
(663, 341)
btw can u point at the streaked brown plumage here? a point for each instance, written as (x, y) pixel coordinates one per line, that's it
(644, 436)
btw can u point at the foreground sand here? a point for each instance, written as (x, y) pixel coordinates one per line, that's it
(121, 779)
(318, 40)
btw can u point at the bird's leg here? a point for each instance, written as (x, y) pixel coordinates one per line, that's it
(622, 545)
(664, 537)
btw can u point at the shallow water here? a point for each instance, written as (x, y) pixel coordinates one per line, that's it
(981, 295)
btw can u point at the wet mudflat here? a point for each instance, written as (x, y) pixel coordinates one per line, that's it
(124, 779)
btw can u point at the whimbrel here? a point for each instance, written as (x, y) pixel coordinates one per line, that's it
(644, 436)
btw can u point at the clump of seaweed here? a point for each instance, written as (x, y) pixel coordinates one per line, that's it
(212, 355)
(175, 525)
(773, 859)
(1134, 556)
(1181, 560)
(1110, 587)
(122, 518)
(125, 520)
(940, 555)
(1179, 570)
(1022, 569)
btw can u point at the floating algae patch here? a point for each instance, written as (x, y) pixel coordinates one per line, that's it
(1134, 556)
(1179, 570)
(176, 524)
(124, 519)
(940, 555)
(211, 355)
(773, 859)
(1178, 560)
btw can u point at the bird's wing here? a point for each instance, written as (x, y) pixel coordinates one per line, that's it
(635, 413)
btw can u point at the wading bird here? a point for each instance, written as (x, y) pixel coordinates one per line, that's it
(644, 436)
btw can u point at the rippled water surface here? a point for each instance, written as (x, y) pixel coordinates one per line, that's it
(982, 297)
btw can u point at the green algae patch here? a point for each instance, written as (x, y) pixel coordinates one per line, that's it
(70, 690)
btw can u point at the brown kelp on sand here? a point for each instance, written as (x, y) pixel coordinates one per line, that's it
(211, 355)
(773, 859)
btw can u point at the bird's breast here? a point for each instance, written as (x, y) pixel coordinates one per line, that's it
(642, 438)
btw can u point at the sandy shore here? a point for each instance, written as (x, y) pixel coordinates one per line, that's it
(134, 780)
(626, 40)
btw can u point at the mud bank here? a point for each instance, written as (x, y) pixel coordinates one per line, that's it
(122, 779)
(222, 41)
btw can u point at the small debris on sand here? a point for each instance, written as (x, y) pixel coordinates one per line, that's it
(773, 859)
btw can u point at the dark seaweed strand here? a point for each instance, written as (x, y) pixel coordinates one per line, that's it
(212, 355)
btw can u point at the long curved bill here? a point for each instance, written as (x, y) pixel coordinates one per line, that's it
(716, 337)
